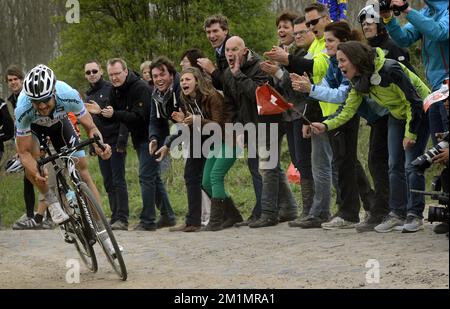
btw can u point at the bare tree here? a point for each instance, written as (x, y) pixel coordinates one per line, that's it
(29, 35)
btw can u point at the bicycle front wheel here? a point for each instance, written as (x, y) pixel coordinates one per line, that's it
(75, 232)
(104, 234)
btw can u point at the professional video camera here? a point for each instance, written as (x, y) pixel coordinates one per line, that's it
(439, 186)
(425, 160)
(385, 5)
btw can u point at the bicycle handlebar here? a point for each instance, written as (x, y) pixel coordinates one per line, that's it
(95, 139)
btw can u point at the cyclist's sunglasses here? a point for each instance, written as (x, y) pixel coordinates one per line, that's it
(93, 72)
(313, 22)
(45, 100)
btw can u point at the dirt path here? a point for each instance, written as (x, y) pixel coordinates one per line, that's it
(276, 257)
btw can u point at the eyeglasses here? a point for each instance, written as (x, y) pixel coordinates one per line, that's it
(45, 101)
(93, 72)
(313, 22)
(302, 32)
(115, 74)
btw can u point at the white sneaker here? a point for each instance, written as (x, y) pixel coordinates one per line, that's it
(389, 224)
(57, 213)
(338, 223)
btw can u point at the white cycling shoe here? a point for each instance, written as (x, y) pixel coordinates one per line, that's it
(57, 213)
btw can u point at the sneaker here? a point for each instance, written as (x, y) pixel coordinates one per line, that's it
(309, 222)
(298, 221)
(250, 220)
(185, 228)
(164, 222)
(389, 224)
(282, 219)
(338, 223)
(48, 224)
(366, 226)
(413, 224)
(57, 213)
(28, 224)
(119, 226)
(263, 222)
(141, 228)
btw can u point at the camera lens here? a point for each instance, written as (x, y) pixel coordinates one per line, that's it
(438, 214)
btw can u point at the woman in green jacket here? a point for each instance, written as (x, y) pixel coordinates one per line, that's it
(393, 86)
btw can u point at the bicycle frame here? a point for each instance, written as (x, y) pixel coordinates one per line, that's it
(66, 155)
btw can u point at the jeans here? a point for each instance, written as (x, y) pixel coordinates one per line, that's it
(151, 184)
(276, 198)
(113, 172)
(321, 159)
(438, 120)
(252, 164)
(299, 148)
(344, 142)
(379, 167)
(403, 176)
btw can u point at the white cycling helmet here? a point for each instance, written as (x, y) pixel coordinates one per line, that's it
(369, 12)
(39, 83)
(13, 165)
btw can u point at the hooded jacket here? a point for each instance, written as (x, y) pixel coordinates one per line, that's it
(431, 25)
(113, 132)
(131, 103)
(240, 90)
(162, 107)
(400, 91)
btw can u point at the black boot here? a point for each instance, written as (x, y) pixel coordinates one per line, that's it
(216, 216)
(232, 214)
(307, 196)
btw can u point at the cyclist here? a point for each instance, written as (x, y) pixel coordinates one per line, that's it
(42, 110)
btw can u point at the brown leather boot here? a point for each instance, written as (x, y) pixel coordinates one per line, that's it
(216, 216)
(232, 214)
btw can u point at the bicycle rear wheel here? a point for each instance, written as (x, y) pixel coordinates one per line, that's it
(75, 228)
(104, 233)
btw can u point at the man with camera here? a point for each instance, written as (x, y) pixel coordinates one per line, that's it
(431, 25)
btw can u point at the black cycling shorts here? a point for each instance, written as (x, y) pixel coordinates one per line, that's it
(61, 134)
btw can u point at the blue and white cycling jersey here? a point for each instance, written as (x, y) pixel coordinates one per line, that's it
(67, 100)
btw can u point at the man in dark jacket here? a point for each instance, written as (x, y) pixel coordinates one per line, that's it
(130, 104)
(299, 147)
(116, 135)
(240, 82)
(6, 125)
(217, 31)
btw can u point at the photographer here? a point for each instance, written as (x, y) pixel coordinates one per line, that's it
(438, 154)
(431, 25)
